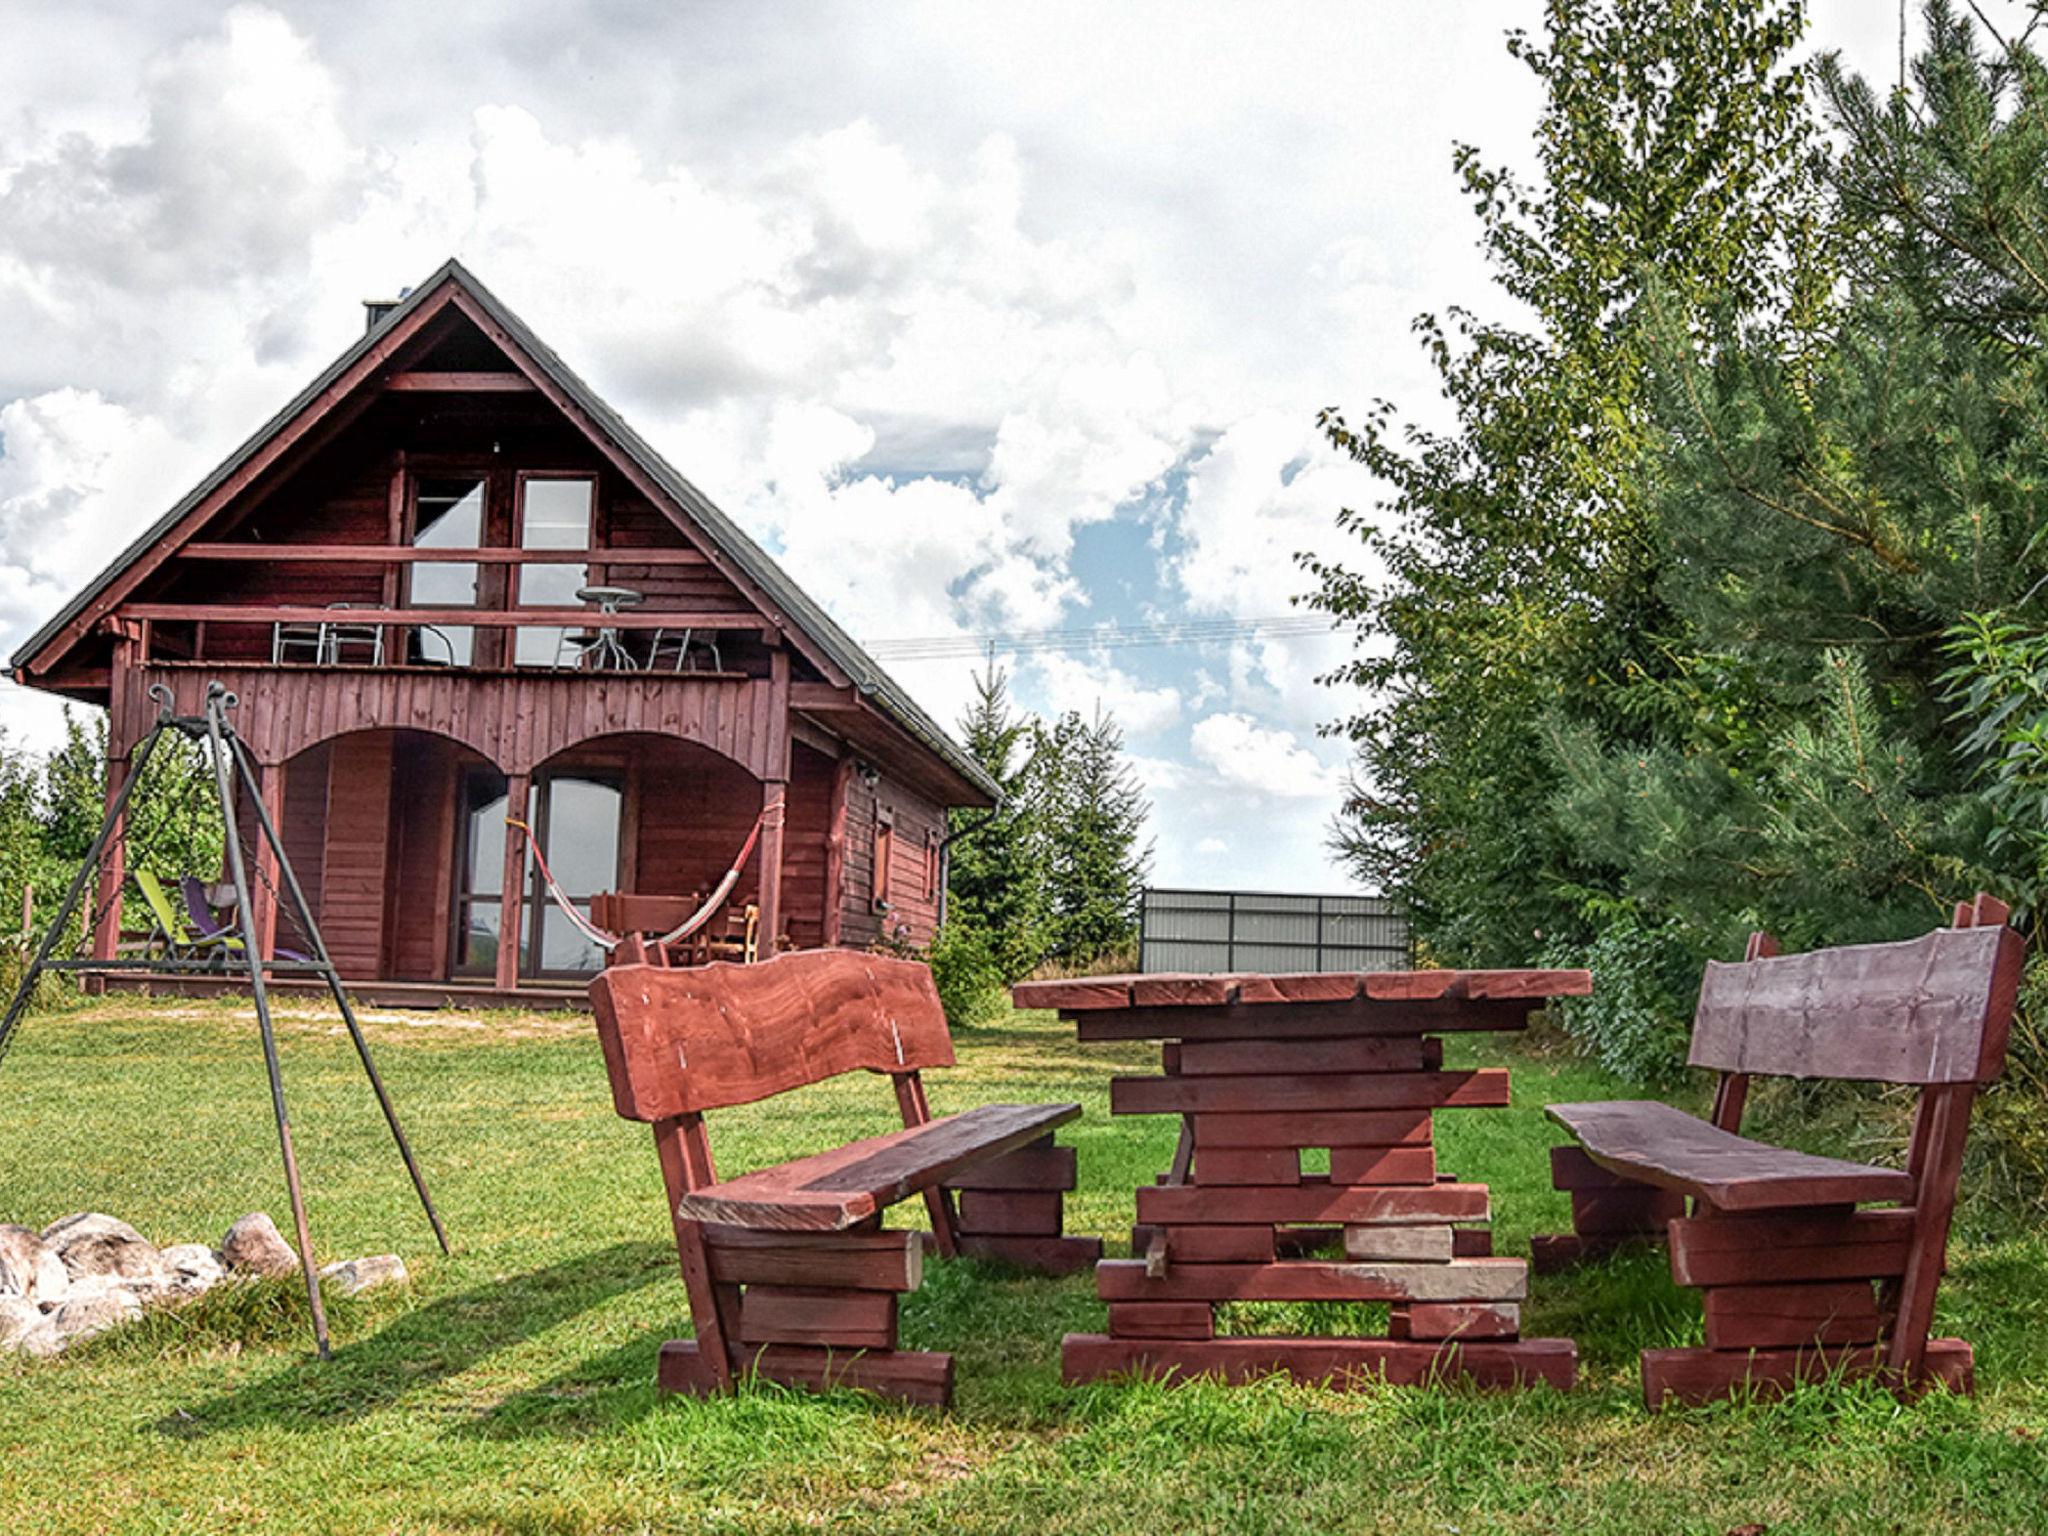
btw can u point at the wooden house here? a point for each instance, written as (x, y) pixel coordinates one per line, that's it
(448, 579)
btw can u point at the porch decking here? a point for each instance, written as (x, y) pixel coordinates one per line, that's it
(543, 996)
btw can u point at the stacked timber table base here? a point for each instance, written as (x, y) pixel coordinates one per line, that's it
(1265, 1071)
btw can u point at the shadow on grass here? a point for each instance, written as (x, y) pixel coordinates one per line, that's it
(429, 1344)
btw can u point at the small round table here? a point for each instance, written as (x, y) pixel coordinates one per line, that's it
(606, 650)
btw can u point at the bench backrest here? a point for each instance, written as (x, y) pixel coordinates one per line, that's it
(678, 1042)
(1932, 1010)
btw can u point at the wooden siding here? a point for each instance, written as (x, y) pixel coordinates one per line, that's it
(303, 829)
(695, 810)
(809, 807)
(353, 891)
(913, 915)
(516, 721)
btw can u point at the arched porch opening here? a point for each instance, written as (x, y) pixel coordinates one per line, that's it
(369, 820)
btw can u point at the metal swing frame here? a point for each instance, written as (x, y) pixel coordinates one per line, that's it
(231, 766)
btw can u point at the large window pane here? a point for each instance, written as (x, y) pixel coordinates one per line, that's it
(554, 514)
(448, 514)
(583, 835)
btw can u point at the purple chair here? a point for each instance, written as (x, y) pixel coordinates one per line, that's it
(207, 926)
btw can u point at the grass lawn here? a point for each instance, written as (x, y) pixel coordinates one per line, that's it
(510, 1387)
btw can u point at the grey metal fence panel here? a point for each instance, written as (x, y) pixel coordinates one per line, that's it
(1213, 931)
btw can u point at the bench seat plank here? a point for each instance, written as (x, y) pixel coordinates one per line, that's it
(1656, 1144)
(834, 1190)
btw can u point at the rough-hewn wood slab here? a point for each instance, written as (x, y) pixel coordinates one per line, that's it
(1188, 990)
(1012, 1212)
(1181, 991)
(1790, 1316)
(1462, 1320)
(1162, 1320)
(1756, 1250)
(1302, 1021)
(1312, 1200)
(705, 1037)
(1424, 1243)
(1220, 1245)
(1702, 1375)
(1089, 992)
(1382, 1165)
(775, 1314)
(1311, 1280)
(1929, 1010)
(833, 1190)
(1485, 1087)
(1237, 1058)
(857, 1261)
(1656, 1144)
(1034, 1167)
(1325, 1128)
(1341, 1363)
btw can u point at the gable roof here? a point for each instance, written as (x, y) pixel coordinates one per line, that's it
(726, 536)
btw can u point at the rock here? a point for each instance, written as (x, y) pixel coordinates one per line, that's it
(194, 1268)
(17, 1318)
(353, 1275)
(92, 1244)
(43, 1340)
(29, 1267)
(254, 1246)
(82, 1317)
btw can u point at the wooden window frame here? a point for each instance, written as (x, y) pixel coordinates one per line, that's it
(931, 863)
(879, 882)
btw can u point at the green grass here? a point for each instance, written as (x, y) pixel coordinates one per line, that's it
(510, 1387)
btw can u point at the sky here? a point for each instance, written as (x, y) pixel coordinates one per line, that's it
(986, 320)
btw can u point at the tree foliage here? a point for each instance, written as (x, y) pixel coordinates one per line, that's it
(1513, 563)
(1720, 606)
(1053, 874)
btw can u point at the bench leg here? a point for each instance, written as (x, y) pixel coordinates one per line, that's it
(1791, 1296)
(811, 1309)
(1608, 1212)
(1013, 1209)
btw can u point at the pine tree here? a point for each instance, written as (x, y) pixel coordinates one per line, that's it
(1091, 814)
(996, 883)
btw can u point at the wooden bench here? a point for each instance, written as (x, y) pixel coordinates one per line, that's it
(788, 1269)
(1798, 1279)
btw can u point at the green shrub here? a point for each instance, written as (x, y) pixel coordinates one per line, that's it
(968, 974)
(1646, 978)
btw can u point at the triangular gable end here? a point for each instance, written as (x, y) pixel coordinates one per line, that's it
(439, 333)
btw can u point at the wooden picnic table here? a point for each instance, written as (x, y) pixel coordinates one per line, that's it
(1263, 1069)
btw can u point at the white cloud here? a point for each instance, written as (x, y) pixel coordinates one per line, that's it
(1246, 756)
(1088, 683)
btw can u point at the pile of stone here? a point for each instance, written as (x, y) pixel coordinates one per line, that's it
(87, 1273)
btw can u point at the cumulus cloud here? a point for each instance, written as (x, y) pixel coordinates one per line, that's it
(1245, 755)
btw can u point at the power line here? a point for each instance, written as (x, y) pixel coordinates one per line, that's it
(1104, 637)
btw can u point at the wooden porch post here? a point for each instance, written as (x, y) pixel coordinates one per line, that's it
(121, 738)
(835, 849)
(512, 886)
(263, 890)
(773, 794)
(774, 804)
(106, 933)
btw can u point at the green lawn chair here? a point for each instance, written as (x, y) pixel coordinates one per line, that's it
(179, 939)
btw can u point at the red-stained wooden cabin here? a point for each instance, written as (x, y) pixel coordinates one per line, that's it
(449, 479)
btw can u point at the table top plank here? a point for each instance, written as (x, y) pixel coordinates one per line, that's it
(1181, 990)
